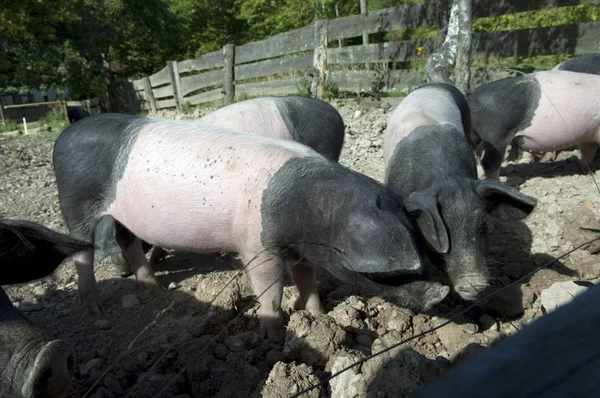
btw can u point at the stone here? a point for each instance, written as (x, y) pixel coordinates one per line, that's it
(129, 301)
(559, 293)
(103, 324)
(93, 363)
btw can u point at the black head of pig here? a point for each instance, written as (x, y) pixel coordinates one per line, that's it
(31, 364)
(434, 169)
(346, 222)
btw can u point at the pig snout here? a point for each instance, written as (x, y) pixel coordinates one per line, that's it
(51, 371)
(470, 286)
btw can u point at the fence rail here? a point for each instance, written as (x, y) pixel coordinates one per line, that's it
(34, 111)
(314, 55)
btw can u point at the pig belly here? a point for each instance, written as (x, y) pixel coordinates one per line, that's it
(189, 190)
(260, 117)
(568, 112)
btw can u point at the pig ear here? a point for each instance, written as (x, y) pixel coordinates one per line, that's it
(507, 202)
(423, 206)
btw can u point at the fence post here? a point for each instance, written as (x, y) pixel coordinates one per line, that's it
(337, 15)
(229, 78)
(129, 97)
(175, 83)
(63, 105)
(365, 37)
(148, 94)
(319, 58)
(2, 113)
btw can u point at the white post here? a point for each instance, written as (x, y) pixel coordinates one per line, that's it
(25, 125)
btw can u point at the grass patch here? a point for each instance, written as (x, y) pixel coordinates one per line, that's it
(539, 19)
(523, 64)
(9, 125)
(54, 120)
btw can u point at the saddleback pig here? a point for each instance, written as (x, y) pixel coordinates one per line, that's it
(123, 179)
(429, 161)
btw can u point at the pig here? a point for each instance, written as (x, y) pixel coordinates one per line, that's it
(125, 179)
(429, 161)
(542, 112)
(588, 63)
(31, 363)
(75, 113)
(309, 121)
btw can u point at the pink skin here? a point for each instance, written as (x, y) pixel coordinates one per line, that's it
(568, 114)
(259, 116)
(196, 188)
(423, 107)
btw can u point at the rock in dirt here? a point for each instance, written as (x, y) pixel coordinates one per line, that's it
(456, 336)
(351, 383)
(286, 379)
(560, 293)
(30, 307)
(312, 339)
(129, 301)
(94, 363)
(103, 324)
(348, 317)
(223, 289)
(398, 371)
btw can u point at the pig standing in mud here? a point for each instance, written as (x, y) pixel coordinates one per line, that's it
(309, 121)
(539, 112)
(31, 364)
(123, 179)
(429, 161)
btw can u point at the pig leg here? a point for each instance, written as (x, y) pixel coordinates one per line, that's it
(588, 152)
(134, 254)
(88, 291)
(158, 254)
(305, 278)
(266, 277)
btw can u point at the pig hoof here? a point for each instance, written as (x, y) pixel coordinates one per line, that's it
(93, 305)
(434, 295)
(272, 328)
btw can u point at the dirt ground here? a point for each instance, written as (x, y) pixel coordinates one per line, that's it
(177, 343)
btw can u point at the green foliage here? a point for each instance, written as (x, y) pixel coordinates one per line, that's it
(304, 87)
(54, 120)
(330, 90)
(539, 19)
(9, 125)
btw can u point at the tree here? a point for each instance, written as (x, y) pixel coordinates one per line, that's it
(451, 64)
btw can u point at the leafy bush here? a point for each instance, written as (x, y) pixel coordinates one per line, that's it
(54, 120)
(9, 125)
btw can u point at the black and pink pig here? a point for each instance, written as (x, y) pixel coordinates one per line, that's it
(125, 179)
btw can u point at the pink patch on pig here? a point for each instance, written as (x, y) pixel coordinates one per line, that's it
(568, 112)
(259, 116)
(198, 188)
(425, 106)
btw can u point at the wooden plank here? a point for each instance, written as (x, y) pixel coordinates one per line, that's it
(294, 41)
(272, 87)
(319, 59)
(364, 81)
(486, 8)
(162, 92)
(228, 76)
(565, 39)
(189, 84)
(138, 84)
(207, 61)
(33, 104)
(273, 66)
(148, 94)
(401, 17)
(168, 103)
(208, 96)
(161, 77)
(379, 52)
(556, 356)
(175, 83)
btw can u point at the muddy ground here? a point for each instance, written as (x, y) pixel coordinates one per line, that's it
(175, 340)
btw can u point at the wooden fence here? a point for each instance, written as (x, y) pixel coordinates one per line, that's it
(33, 112)
(313, 56)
